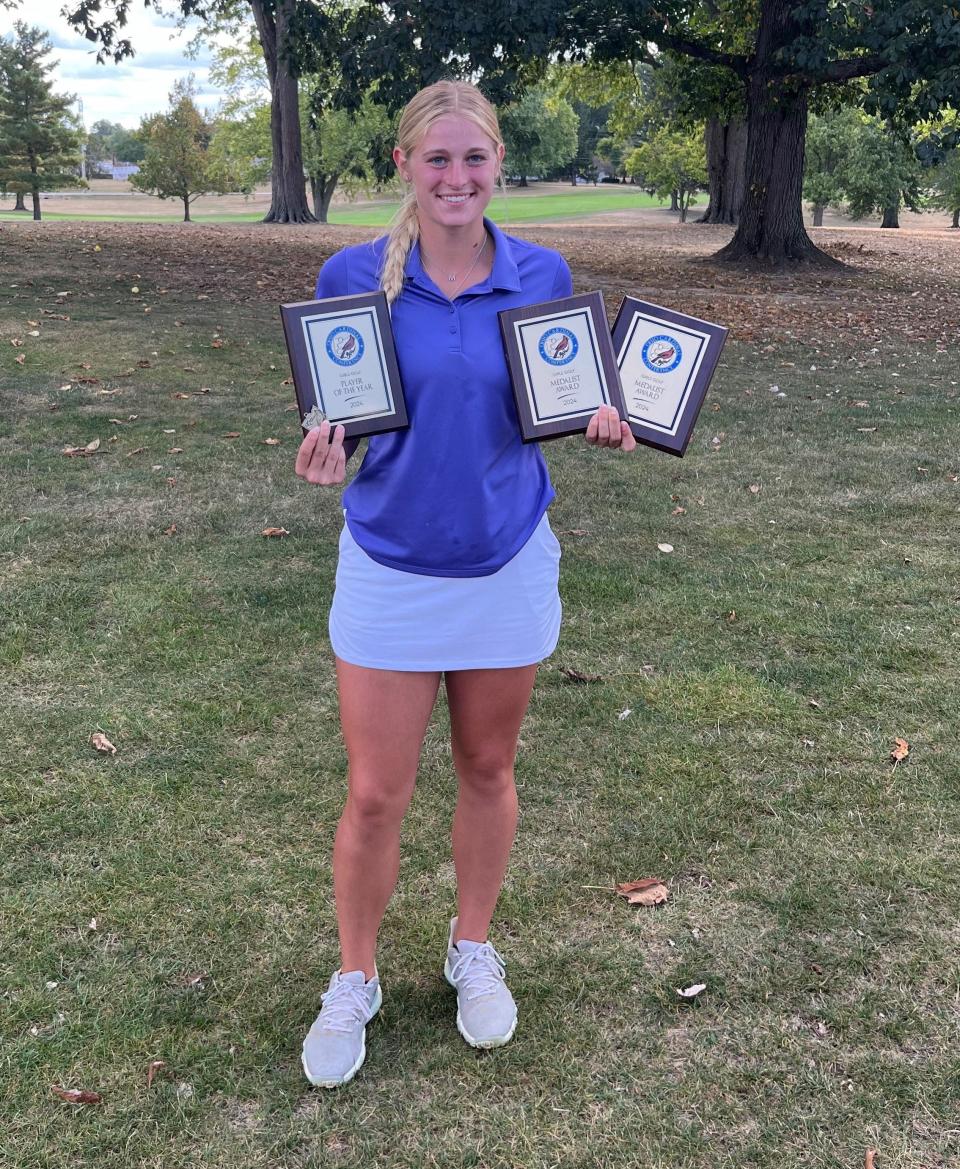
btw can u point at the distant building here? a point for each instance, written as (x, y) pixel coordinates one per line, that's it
(120, 170)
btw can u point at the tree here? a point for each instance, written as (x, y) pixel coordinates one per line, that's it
(830, 142)
(39, 139)
(178, 163)
(908, 51)
(539, 133)
(881, 171)
(671, 163)
(938, 144)
(341, 145)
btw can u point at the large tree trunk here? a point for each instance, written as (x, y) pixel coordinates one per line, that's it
(771, 228)
(956, 217)
(288, 191)
(674, 205)
(818, 209)
(523, 181)
(36, 204)
(186, 208)
(891, 213)
(726, 144)
(322, 190)
(21, 206)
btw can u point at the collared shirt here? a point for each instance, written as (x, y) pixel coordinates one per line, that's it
(458, 493)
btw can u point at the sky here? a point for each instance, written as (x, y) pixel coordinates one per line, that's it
(126, 92)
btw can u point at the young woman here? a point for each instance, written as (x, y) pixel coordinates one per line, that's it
(448, 567)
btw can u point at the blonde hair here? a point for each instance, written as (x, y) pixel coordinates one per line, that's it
(426, 107)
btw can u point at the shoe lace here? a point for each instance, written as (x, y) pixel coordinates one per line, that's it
(480, 971)
(344, 1006)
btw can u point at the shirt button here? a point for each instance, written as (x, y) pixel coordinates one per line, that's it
(452, 309)
(453, 328)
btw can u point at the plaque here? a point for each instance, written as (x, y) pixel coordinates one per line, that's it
(666, 360)
(562, 364)
(344, 363)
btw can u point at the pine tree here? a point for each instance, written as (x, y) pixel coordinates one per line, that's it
(39, 141)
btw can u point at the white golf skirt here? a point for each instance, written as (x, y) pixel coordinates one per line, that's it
(390, 620)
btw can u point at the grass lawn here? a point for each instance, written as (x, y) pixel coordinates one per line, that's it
(173, 902)
(512, 207)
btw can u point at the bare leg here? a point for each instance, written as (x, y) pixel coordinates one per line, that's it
(486, 710)
(384, 714)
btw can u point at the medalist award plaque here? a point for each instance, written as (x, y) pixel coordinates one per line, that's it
(562, 364)
(666, 360)
(344, 363)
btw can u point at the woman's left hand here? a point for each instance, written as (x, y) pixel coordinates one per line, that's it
(606, 429)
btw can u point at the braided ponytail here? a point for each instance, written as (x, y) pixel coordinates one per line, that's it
(424, 108)
(404, 233)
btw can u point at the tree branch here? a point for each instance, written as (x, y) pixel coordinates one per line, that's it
(737, 62)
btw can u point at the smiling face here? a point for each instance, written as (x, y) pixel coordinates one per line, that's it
(453, 171)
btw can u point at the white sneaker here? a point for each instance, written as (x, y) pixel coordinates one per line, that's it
(486, 1012)
(335, 1046)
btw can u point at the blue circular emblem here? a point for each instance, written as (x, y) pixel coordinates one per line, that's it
(558, 346)
(344, 345)
(661, 353)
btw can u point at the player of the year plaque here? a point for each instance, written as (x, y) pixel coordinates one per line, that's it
(562, 365)
(344, 363)
(666, 360)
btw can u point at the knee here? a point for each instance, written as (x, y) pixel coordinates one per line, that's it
(485, 773)
(372, 807)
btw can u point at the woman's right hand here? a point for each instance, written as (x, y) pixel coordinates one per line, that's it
(321, 457)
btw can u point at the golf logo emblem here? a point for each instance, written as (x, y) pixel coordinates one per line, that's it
(344, 345)
(558, 346)
(662, 353)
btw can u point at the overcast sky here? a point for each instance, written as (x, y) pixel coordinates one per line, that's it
(125, 92)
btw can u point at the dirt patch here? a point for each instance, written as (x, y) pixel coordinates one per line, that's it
(902, 287)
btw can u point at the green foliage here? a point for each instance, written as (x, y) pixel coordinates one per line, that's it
(830, 142)
(179, 163)
(111, 142)
(539, 132)
(882, 170)
(39, 138)
(672, 161)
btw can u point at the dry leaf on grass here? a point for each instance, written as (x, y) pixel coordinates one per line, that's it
(175, 450)
(901, 749)
(691, 992)
(72, 452)
(152, 1070)
(171, 531)
(100, 741)
(137, 450)
(679, 511)
(231, 434)
(576, 532)
(194, 981)
(624, 714)
(274, 532)
(216, 343)
(754, 488)
(20, 358)
(649, 891)
(577, 676)
(77, 1095)
(271, 442)
(664, 547)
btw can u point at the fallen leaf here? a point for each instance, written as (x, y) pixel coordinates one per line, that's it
(34, 333)
(216, 344)
(20, 358)
(860, 404)
(175, 450)
(901, 749)
(274, 532)
(649, 891)
(16, 342)
(171, 482)
(271, 442)
(181, 394)
(754, 488)
(732, 616)
(624, 714)
(576, 676)
(814, 703)
(77, 1095)
(691, 992)
(191, 981)
(136, 451)
(866, 429)
(665, 547)
(231, 434)
(679, 511)
(92, 446)
(135, 288)
(152, 1070)
(171, 531)
(576, 532)
(93, 925)
(99, 740)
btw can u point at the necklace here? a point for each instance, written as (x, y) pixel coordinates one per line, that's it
(452, 277)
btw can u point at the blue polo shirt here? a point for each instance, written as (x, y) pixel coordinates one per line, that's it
(458, 493)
